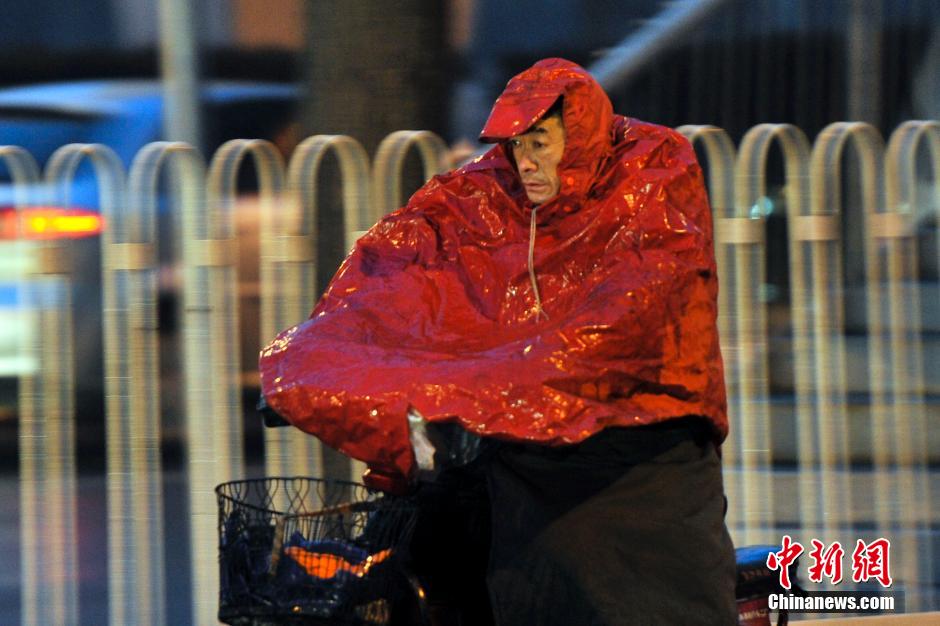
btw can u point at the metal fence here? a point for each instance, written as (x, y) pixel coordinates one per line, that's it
(794, 465)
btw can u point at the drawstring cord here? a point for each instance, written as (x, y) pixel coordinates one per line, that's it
(535, 286)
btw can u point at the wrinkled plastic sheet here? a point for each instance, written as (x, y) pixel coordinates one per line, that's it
(434, 310)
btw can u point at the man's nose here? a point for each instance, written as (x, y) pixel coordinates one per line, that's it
(527, 164)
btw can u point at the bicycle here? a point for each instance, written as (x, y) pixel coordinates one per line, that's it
(303, 550)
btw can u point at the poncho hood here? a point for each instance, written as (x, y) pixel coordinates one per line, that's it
(434, 309)
(587, 116)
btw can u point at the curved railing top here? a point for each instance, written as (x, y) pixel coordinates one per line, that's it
(390, 160)
(719, 149)
(222, 183)
(826, 166)
(901, 162)
(304, 170)
(751, 166)
(109, 174)
(23, 171)
(189, 173)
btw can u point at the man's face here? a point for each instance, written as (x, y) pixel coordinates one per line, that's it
(537, 153)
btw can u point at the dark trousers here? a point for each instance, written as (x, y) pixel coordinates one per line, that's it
(625, 528)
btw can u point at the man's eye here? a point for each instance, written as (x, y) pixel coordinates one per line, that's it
(538, 145)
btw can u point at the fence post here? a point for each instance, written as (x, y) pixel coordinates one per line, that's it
(720, 153)
(897, 236)
(297, 247)
(43, 599)
(752, 335)
(209, 409)
(816, 279)
(135, 512)
(891, 264)
(222, 194)
(53, 400)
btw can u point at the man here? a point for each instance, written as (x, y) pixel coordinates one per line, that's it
(556, 298)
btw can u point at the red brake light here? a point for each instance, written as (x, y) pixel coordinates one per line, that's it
(50, 223)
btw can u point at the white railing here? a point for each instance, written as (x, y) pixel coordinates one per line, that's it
(824, 489)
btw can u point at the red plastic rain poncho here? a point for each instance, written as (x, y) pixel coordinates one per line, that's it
(435, 307)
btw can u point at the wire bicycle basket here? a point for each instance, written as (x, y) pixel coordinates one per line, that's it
(306, 551)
